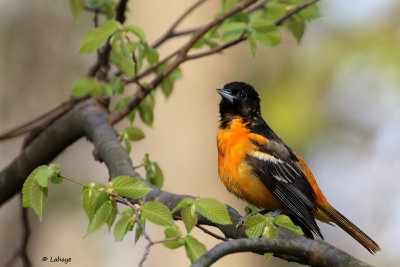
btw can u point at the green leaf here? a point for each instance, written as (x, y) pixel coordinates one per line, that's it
(232, 30)
(253, 44)
(139, 231)
(213, 209)
(129, 187)
(269, 38)
(136, 31)
(256, 223)
(268, 256)
(124, 224)
(38, 198)
(88, 197)
(121, 56)
(184, 202)
(270, 231)
(276, 10)
(157, 213)
(229, 4)
(113, 215)
(128, 145)
(96, 37)
(76, 6)
(85, 86)
(286, 222)
(296, 26)
(117, 85)
(134, 133)
(42, 176)
(155, 175)
(189, 217)
(173, 232)
(263, 25)
(145, 108)
(152, 55)
(34, 195)
(26, 190)
(100, 217)
(56, 180)
(194, 248)
(256, 230)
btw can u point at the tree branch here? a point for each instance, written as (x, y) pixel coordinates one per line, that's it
(294, 11)
(310, 252)
(171, 31)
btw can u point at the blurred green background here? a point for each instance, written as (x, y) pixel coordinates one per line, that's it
(334, 98)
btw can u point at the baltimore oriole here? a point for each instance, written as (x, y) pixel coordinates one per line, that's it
(257, 166)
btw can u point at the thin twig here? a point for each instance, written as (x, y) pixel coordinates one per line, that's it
(181, 57)
(96, 10)
(294, 11)
(71, 179)
(211, 233)
(216, 49)
(170, 31)
(132, 206)
(22, 250)
(41, 121)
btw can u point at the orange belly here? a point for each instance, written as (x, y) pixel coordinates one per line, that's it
(233, 146)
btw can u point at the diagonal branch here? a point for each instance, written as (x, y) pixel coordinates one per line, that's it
(171, 31)
(310, 252)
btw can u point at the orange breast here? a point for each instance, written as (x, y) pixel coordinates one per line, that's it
(233, 146)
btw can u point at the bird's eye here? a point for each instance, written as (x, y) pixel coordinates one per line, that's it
(243, 95)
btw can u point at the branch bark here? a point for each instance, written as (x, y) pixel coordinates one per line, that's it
(310, 252)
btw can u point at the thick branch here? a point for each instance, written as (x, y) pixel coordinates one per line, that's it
(310, 252)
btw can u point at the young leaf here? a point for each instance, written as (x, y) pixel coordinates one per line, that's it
(38, 198)
(184, 202)
(256, 224)
(85, 86)
(96, 37)
(76, 7)
(270, 231)
(213, 209)
(269, 38)
(263, 25)
(136, 31)
(134, 133)
(88, 197)
(232, 30)
(113, 215)
(157, 213)
(286, 222)
(56, 180)
(154, 174)
(194, 248)
(297, 25)
(122, 103)
(139, 230)
(124, 224)
(117, 85)
(34, 195)
(100, 217)
(42, 176)
(129, 187)
(256, 230)
(145, 108)
(253, 44)
(121, 56)
(268, 256)
(189, 218)
(173, 232)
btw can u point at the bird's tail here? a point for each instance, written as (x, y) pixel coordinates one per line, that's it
(337, 218)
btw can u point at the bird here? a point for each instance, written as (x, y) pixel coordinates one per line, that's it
(257, 166)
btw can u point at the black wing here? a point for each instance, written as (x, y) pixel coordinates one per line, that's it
(275, 165)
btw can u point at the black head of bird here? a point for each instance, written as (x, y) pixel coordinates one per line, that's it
(239, 98)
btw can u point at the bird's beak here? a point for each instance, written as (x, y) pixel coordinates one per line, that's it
(227, 94)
